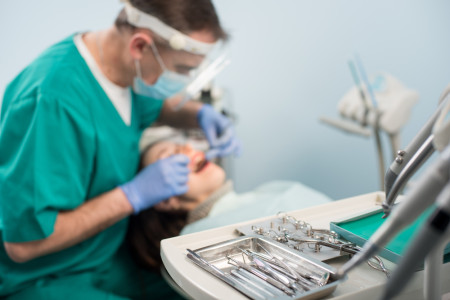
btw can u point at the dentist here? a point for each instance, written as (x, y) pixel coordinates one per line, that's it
(69, 131)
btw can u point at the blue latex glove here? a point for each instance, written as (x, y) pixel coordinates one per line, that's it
(219, 132)
(157, 182)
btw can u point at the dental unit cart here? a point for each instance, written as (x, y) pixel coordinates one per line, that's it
(362, 283)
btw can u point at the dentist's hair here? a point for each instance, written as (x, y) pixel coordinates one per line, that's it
(186, 16)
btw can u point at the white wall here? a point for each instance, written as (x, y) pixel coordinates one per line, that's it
(289, 67)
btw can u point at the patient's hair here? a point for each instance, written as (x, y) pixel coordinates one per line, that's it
(149, 227)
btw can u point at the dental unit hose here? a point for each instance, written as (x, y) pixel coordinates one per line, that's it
(421, 196)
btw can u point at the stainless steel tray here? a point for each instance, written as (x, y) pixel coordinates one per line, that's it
(277, 226)
(215, 260)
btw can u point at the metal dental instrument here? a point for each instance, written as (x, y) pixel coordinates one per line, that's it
(305, 285)
(379, 265)
(201, 262)
(258, 281)
(408, 161)
(314, 239)
(280, 263)
(421, 155)
(352, 249)
(266, 268)
(435, 229)
(306, 282)
(261, 275)
(251, 282)
(421, 196)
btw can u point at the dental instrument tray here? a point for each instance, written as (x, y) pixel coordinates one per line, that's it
(261, 268)
(319, 243)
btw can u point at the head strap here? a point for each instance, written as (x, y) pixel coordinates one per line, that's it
(176, 39)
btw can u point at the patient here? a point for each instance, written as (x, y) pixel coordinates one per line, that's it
(210, 202)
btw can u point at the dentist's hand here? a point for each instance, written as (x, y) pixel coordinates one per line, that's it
(159, 181)
(219, 132)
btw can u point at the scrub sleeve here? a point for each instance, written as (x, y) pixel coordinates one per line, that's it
(120, 278)
(62, 142)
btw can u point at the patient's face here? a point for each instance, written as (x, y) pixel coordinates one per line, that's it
(205, 177)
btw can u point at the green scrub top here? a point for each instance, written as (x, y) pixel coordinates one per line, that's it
(62, 142)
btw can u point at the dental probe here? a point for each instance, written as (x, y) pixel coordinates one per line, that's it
(422, 195)
(409, 160)
(430, 235)
(204, 264)
(261, 275)
(251, 282)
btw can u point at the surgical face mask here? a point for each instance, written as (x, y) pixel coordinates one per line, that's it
(168, 83)
(178, 41)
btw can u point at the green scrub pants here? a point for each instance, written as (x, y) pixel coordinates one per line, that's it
(119, 279)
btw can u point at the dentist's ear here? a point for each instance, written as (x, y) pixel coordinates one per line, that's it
(173, 203)
(138, 44)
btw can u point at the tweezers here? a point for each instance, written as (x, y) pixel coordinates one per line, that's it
(261, 275)
(204, 264)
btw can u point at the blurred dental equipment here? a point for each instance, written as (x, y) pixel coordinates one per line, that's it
(383, 103)
(346, 126)
(376, 132)
(408, 161)
(420, 197)
(432, 233)
(430, 243)
(204, 77)
(394, 103)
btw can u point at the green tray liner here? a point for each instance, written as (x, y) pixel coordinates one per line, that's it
(359, 230)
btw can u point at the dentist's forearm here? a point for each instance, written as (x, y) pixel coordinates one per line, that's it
(185, 117)
(73, 227)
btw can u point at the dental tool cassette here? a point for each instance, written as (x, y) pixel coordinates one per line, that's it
(321, 244)
(261, 268)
